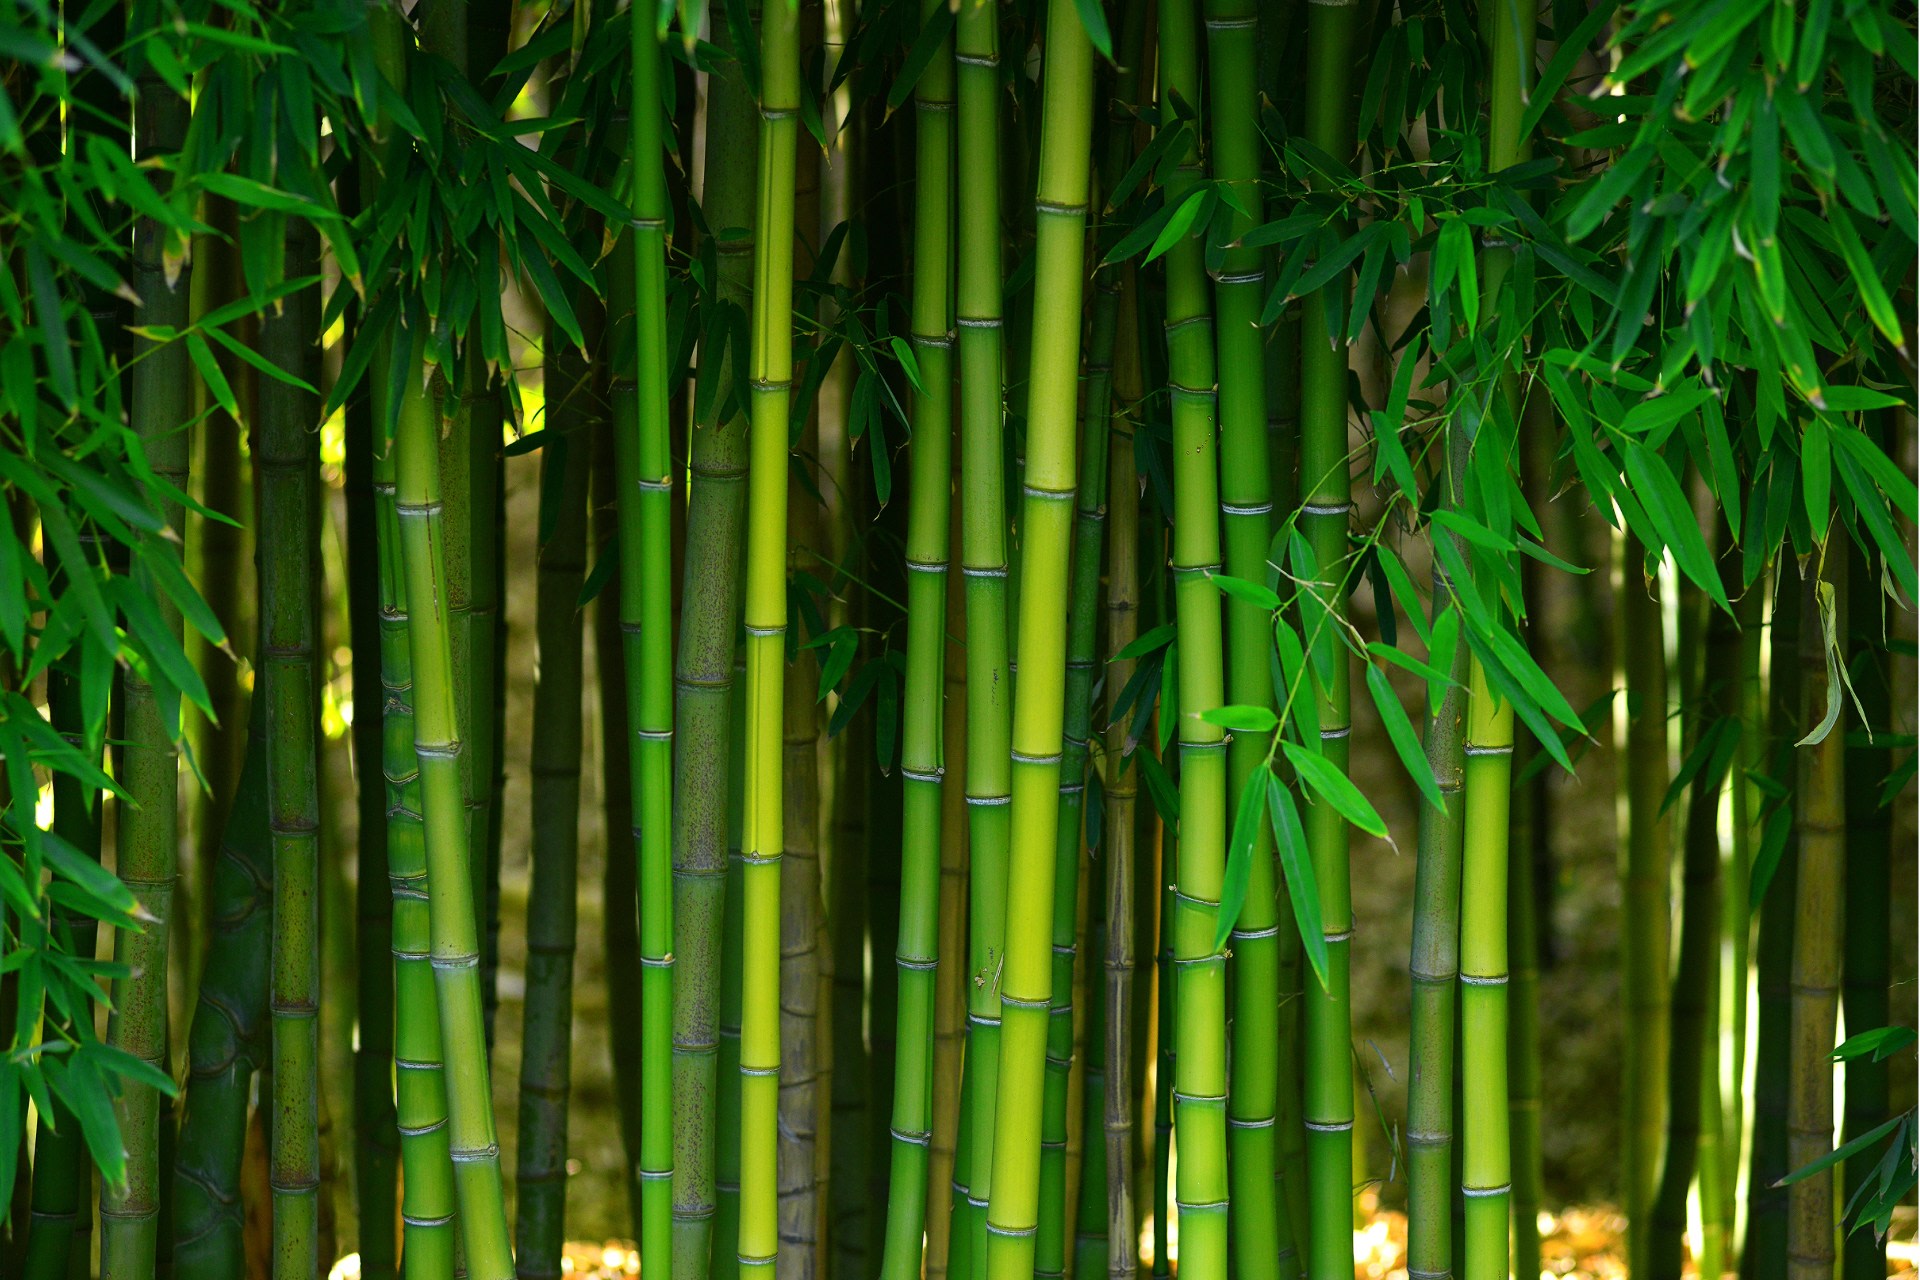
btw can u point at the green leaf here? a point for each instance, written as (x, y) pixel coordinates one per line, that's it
(1829, 649)
(1331, 784)
(1178, 223)
(1240, 849)
(1242, 719)
(1881, 1042)
(1094, 19)
(1406, 743)
(1143, 645)
(1673, 518)
(933, 33)
(1852, 1148)
(1249, 592)
(1296, 865)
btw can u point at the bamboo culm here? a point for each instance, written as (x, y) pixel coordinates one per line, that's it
(1046, 520)
(921, 763)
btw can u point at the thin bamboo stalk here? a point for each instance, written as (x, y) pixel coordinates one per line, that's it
(917, 954)
(289, 469)
(546, 1060)
(1327, 1109)
(451, 918)
(1122, 784)
(1737, 914)
(1046, 513)
(1090, 1236)
(160, 404)
(643, 470)
(762, 836)
(984, 564)
(726, 1172)
(709, 619)
(1819, 923)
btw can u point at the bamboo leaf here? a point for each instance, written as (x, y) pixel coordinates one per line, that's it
(1240, 847)
(1248, 592)
(1331, 784)
(1303, 888)
(1842, 1152)
(1881, 1042)
(1177, 225)
(1829, 649)
(933, 33)
(1094, 19)
(1242, 719)
(1406, 743)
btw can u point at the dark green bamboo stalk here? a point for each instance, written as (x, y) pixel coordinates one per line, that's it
(161, 407)
(1819, 922)
(643, 471)
(1693, 1100)
(1122, 784)
(289, 468)
(451, 917)
(546, 1037)
(1090, 1236)
(227, 1039)
(1763, 1252)
(762, 835)
(1200, 1067)
(1737, 913)
(1326, 505)
(1645, 941)
(1436, 967)
(726, 1216)
(917, 953)
(983, 553)
(1060, 213)
(709, 619)
(1869, 847)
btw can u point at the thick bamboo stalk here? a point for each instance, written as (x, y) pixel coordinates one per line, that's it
(983, 553)
(1327, 1109)
(917, 955)
(227, 1038)
(1737, 913)
(1122, 784)
(289, 468)
(762, 837)
(1046, 513)
(1819, 923)
(546, 1061)
(726, 1171)
(643, 471)
(451, 916)
(1646, 873)
(1090, 1235)
(709, 620)
(160, 402)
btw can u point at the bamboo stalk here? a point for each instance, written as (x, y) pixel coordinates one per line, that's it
(1039, 697)
(984, 564)
(1327, 1109)
(709, 618)
(762, 836)
(289, 468)
(160, 404)
(726, 1217)
(917, 955)
(451, 917)
(1819, 923)
(546, 1064)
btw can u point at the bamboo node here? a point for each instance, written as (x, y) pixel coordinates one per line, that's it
(1253, 1122)
(1326, 508)
(1484, 979)
(916, 1138)
(1327, 1126)
(415, 1220)
(1016, 1233)
(1234, 509)
(1021, 757)
(926, 566)
(1476, 1193)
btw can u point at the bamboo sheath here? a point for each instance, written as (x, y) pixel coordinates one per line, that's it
(1200, 1068)
(1047, 509)
(160, 404)
(1327, 1106)
(288, 463)
(644, 483)
(1819, 921)
(917, 955)
(554, 768)
(703, 683)
(765, 615)
(983, 553)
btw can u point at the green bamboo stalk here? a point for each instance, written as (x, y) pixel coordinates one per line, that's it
(1819, 922)
(1200, 1068)
(1524, 917)
(451, 918)
(1737, 914)
(1164, 1029)
(1039, 697)
(709, 619)
(1486, 1160)
(427, 1199)
(643, 471)
(546, 1036)
(1122, 785)
(1090, 1237)
(984, 564)
(1869, 846)
(1327, 1109)
(800, 1091)
(289, 469)
(1436, 968)
(726, 1216)
(227, 1039)
(1763, 1252)
(1645, 887)
(160, 398)
(1693, 1101)
(762, 836)
(917, 953)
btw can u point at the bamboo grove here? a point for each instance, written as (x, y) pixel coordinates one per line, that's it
(984, 451)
